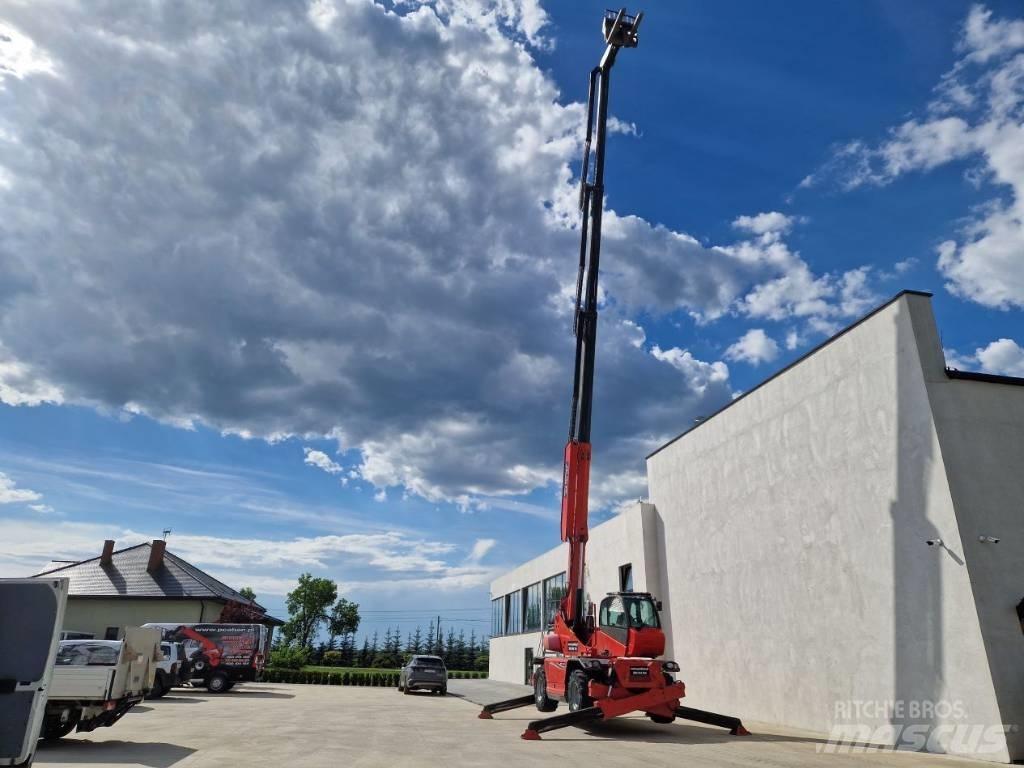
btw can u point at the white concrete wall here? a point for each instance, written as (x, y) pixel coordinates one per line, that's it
(981, 431)
(627, 538)
(799, 577)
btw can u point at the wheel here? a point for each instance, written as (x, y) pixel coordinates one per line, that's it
(407, 690)
(54, 729)
(540, 693)
(576, 692)
(443, 691)
(158, 689)
(218, 683)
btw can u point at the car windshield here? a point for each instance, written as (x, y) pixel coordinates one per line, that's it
(74, 654)
(427, 661)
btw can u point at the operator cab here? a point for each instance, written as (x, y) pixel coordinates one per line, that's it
(628, 624)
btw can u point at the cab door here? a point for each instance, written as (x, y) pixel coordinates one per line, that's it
(612, 627)
(28, 648)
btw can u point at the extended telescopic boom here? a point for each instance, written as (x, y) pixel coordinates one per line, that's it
(620, 31)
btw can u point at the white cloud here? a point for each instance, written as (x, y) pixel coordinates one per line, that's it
(42, 509)
(384, 561)
(984, 39)
(480, 549)
(754, 347)
(620, 126)
(1003, 356)
(697, 371)
(321, 460)
(976, 116)
(763, 223)
(19, 56)
(11, 494)
(230, 260)
(19, 386)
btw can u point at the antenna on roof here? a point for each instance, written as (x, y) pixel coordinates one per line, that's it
(167, 532)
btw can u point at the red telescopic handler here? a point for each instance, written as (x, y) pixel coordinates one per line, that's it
(606, 665)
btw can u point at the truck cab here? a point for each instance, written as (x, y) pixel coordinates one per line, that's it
(173, 670)
(628, 624)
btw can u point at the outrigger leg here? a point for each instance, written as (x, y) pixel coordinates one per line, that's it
(503, 706)
(734, 724)
(580, 716)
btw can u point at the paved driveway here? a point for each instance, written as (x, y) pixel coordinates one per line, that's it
(299, 725)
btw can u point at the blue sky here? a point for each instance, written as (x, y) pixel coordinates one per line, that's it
(292, 281)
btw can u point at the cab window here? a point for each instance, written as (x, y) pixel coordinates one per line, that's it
(642, 613)
(613, 613)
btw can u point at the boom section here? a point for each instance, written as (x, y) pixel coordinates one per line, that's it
(620, 30)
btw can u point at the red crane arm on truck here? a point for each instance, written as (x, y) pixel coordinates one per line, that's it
(208, 648)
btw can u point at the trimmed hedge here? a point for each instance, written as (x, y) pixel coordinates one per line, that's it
(373, 679)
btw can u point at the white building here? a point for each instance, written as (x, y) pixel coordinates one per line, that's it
(788, 536)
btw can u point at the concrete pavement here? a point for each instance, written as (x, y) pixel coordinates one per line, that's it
(273, 725)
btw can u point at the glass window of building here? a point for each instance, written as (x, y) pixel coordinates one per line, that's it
(497, 608)
(532, 607)
(514, 612)
(626, 577)
(554, 591)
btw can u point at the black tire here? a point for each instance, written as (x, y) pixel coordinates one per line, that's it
(576, 691)
(158, 689)
(407, 690)
(662, 719)
(231, 684)
(218, 683)
(443, 691)
(54, 729)
(540, 693)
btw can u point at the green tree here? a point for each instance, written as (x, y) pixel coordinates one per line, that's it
(365, 655)
(308, 606)
(343, 620)
(247, 593)
(416, 641)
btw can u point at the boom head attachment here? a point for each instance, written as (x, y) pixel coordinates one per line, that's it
(620, 29)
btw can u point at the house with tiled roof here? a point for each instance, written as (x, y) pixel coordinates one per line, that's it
(145, 583)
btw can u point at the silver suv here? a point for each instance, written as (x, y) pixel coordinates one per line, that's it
(424, 672)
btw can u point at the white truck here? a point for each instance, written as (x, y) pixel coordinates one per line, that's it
(95, 682)
(175, 669)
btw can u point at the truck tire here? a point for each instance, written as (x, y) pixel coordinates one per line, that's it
(540, 693)
(159, 686)
(54, 729)
(576, 691)
(217, 683)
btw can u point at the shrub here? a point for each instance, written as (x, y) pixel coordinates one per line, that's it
(332, 658)
(289, 658)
